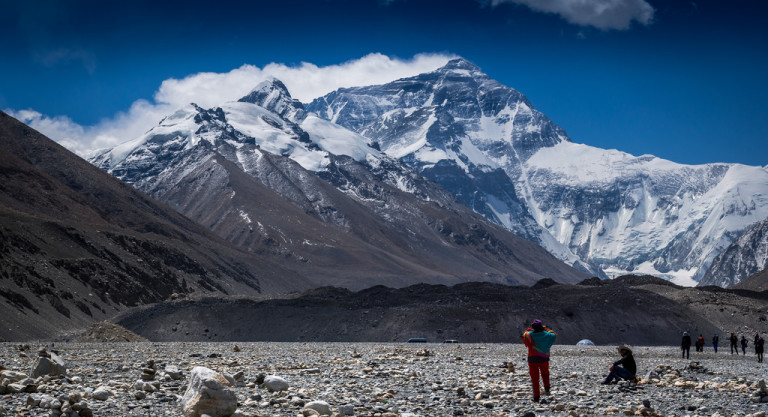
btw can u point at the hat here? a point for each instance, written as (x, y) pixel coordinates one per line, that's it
(624, 347)
(537, 322)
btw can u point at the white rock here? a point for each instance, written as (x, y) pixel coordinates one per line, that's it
(208, 393)
(275, 383)
(13, 376)
(321, 407)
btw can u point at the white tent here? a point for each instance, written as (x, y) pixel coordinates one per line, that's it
(585, 342)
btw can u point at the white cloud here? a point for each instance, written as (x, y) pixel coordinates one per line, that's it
(305, 82)
(83, 140)
(602, 14)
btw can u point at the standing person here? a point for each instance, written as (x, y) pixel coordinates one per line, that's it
(624, 368)
(538, 339)
(759, 348)
(715, 340)
(700, 343)
(686, 345)
(734, 343)
(744, 344)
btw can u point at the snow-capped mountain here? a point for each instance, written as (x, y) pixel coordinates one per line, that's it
(746, 256)
(598, 209)
(321, 199)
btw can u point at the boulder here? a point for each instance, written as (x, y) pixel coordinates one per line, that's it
(208, 393)
(274, 383)
(52, 365)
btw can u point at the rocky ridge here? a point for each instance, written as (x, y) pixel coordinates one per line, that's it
(746, 256)
(631, 309)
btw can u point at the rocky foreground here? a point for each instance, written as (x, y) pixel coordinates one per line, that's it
(374, 380)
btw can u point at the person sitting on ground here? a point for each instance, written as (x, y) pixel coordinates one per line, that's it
(538, 339)
(624, 368)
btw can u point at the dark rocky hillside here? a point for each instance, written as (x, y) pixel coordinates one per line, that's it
(77, 245)
(637, 310)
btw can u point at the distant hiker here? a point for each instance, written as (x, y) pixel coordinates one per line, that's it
(759, 348)
(744, 345)
(700, 343)
(734, 343)
(757, 336)
(538, 339)
(715, 340)
(624, 368)
(686, 345)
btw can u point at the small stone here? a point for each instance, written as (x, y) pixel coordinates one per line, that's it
(275, 383)
(101, 394)
(174, 372)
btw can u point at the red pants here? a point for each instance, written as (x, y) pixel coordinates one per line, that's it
(536, 368)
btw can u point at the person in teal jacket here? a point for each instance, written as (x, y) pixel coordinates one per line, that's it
(538, 339)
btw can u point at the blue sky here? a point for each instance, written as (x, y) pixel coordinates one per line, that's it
(682, 80)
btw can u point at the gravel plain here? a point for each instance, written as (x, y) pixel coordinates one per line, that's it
(387, 380)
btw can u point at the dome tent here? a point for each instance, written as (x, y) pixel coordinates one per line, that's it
(585, 342)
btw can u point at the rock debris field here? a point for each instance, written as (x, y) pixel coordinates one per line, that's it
(365, 379)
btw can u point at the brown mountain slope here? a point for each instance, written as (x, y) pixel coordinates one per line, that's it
(77, 245)
(441, 244)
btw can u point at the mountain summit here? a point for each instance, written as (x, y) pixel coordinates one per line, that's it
(273, 95)
(603, 211)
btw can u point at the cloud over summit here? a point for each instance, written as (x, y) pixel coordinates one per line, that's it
(207, 89)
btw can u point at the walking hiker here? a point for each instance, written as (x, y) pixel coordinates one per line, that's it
(700, 343)
(715, 340)
(686, 345)
(744, 344)
(759, 348)
(538, 339)
(734, 343)
(624, 368)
